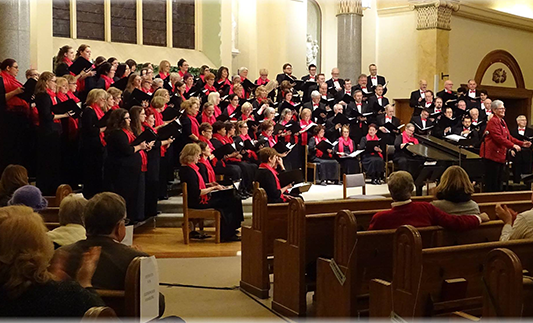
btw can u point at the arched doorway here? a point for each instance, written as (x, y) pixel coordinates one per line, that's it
(517, 99)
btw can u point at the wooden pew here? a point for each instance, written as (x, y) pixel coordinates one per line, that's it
(269, 222)
(62, 191)
(422, 283)
(373, 260)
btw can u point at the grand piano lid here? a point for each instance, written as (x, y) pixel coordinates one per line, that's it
(439, 149)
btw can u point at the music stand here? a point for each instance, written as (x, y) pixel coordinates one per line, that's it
(427, 175)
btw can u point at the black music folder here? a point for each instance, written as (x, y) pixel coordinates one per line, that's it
(371, 145)
(324, 146)
(146, 136)
(103, 121)
(139, 96)
(67, 106)
(170, 113)
(172, 129)
(294, 176)
(227, 149)
(29, 90)
(121, 84)
(80, 64)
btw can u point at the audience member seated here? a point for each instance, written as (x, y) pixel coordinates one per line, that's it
(13, 177)
(267, 176)
(29, 195)
(71, 224)
(418, 214)
(516, 226)
(29, 286)
(453, 194)
(199, 196)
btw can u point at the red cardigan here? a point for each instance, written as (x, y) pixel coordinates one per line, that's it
(421, 214)
(497, 141)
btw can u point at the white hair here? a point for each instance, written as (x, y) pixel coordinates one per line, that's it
(269, 111)
(496, 104)
(242, 69)
(315, 94)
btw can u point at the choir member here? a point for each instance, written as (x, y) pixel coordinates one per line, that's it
(477, 123)
(437, 109)
(372, 160)
(246, 112)
(346, 146)
(126, 165)
(263, 77)
(243, 136)
(157, 105)
(64, 58)
(305, 121)
(123, 71)
(92, 142)
(358, 109)
(208, 114)
(333, 131)
(72, 88)
(206, 169)
(239, 91)
(318, 108)
(103, 78)
(466, 130)
(247, 169)
(448, 95)
(403, 157)
(495, 145)
(267, 176)
(388, 137)
(292, 160)
(461, 110)
(377, 102)
(472, 89)
(328, 168)
(146, 85)
(284, 87)
(113, 61)
(445, 124)
(267, 134)
(312, 73)
(32, 74)
(522, 159)
(49, 172)
(243, 74)
(114, 98)
(347, 90)
(286, 75)
(134, 82)
(417, 97)
(485, 112)
(199, 196)
(269, 114)
(164, 70)
(132, 65)
(157, 84)
(428, 102)
(373, 80)
(179, 95)
(190, 131)
(335, 84)
(229, 164)
(362, 86)
(222, 83)
(261, 98)
(209, 84)
(183, 67)
(18, 117)
(422, 122)
(214, 99)
(69, 138)
(204, 69)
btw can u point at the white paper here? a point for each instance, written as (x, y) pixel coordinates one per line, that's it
(454, 137)
(290, 147)
(300, 185)
(367, 113)
(312, 124)
(149, 289)
(352, 155)
(128, 238)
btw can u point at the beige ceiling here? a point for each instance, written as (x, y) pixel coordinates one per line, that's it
(523, 8)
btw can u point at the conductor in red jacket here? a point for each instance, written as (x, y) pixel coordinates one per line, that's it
(494, 148)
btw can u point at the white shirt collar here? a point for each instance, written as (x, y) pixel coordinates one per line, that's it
(400, 203)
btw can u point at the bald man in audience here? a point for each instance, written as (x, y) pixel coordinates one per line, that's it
(418, 96)
(418, 214)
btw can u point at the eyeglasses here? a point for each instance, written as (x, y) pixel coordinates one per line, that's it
(126, 221)
(127, 118)
(15, 66)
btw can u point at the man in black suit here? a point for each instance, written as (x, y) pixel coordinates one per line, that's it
(444, 124)
(312, 73)
(461, 110)
(472, 89)
(477, 103)
(466, 130)
(448, 94)
(333, 131)
(286, 75)
(362, 85)
(318, 108)
(522, 160)
(335, 84)
(320, 78)
(356, 110)
(417, 96)
(374, 79)
(386, 135)
(378, 102)
(422, 122)
(347, 90)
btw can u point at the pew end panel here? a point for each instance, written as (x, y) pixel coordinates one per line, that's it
(380, 298)
(334, 299)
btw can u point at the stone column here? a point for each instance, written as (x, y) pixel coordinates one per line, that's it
(433, 38)
(15, 33)
(349, 39)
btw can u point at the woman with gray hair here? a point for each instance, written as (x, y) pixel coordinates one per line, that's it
(71, 221)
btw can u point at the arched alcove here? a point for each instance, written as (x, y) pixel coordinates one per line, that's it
(314, 32)
(504, 57)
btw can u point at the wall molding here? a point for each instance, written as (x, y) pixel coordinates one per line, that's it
(494, 17)
(394, 10)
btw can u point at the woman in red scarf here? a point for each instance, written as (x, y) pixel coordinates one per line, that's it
(244, 140)
(246, 112)
(346, 146)
(106, 72)
(261, 98)
(17, 119)
(179, 96)
(114, 96)
(305, 122)
(208, 114)
(183, 67)
(372, 159)
(267, 134)
(403, 157)
(85, 52)
(164, 70)
(126, 164)
(263, 77)
(222, 83)
(134, 82)
(200, 197)
(65, 57)
(189, 123)
(232, 106)
(92, 142)
(72, 88)
(267, 176)
(214, 99)
(49, 172)
(209, 84)
(328, 168)
(188, 79)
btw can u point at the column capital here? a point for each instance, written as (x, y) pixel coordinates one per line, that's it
(350, 7)
(434, 14)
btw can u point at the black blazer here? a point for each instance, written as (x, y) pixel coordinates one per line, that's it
(284, 77)
(373, 103)
(413, 100)
(352, 111)
(46, 118)
(380, 79)
(417, 120)
(90, 131)
(366, 95)
(331, 86)
(528, 133)
(445, 96)
(62, 69)
(120, 153)
(267, 181)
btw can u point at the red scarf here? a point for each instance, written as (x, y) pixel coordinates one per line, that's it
(261, 82)
(343, 143)
(217, 111)
(375, 138)
(204, 199)
(247, 117)
(231, 109)
(271, 139)
(210, 172)
(144, 158)
(209, 89)
(273, 171)
(304, 124)
(251, 153)
(53, 97)
(163, 75)
(108, 81)
(99, 114)
(207, 119)
(202, 77)
(226, 82)
(11, 84)
(210, 144)
(223, 139)
(319, 153)
(181, 73)
(72, 96)
(62, 96)
(67, 61)
(72, 128)
(194, 126)
(158, 117)
(407, 139)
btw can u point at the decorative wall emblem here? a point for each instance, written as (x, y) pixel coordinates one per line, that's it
(499, 76)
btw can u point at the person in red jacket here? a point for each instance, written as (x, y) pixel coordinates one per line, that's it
(494, 148)
(418, 214)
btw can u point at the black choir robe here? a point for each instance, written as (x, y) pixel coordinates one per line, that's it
(380, 80)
